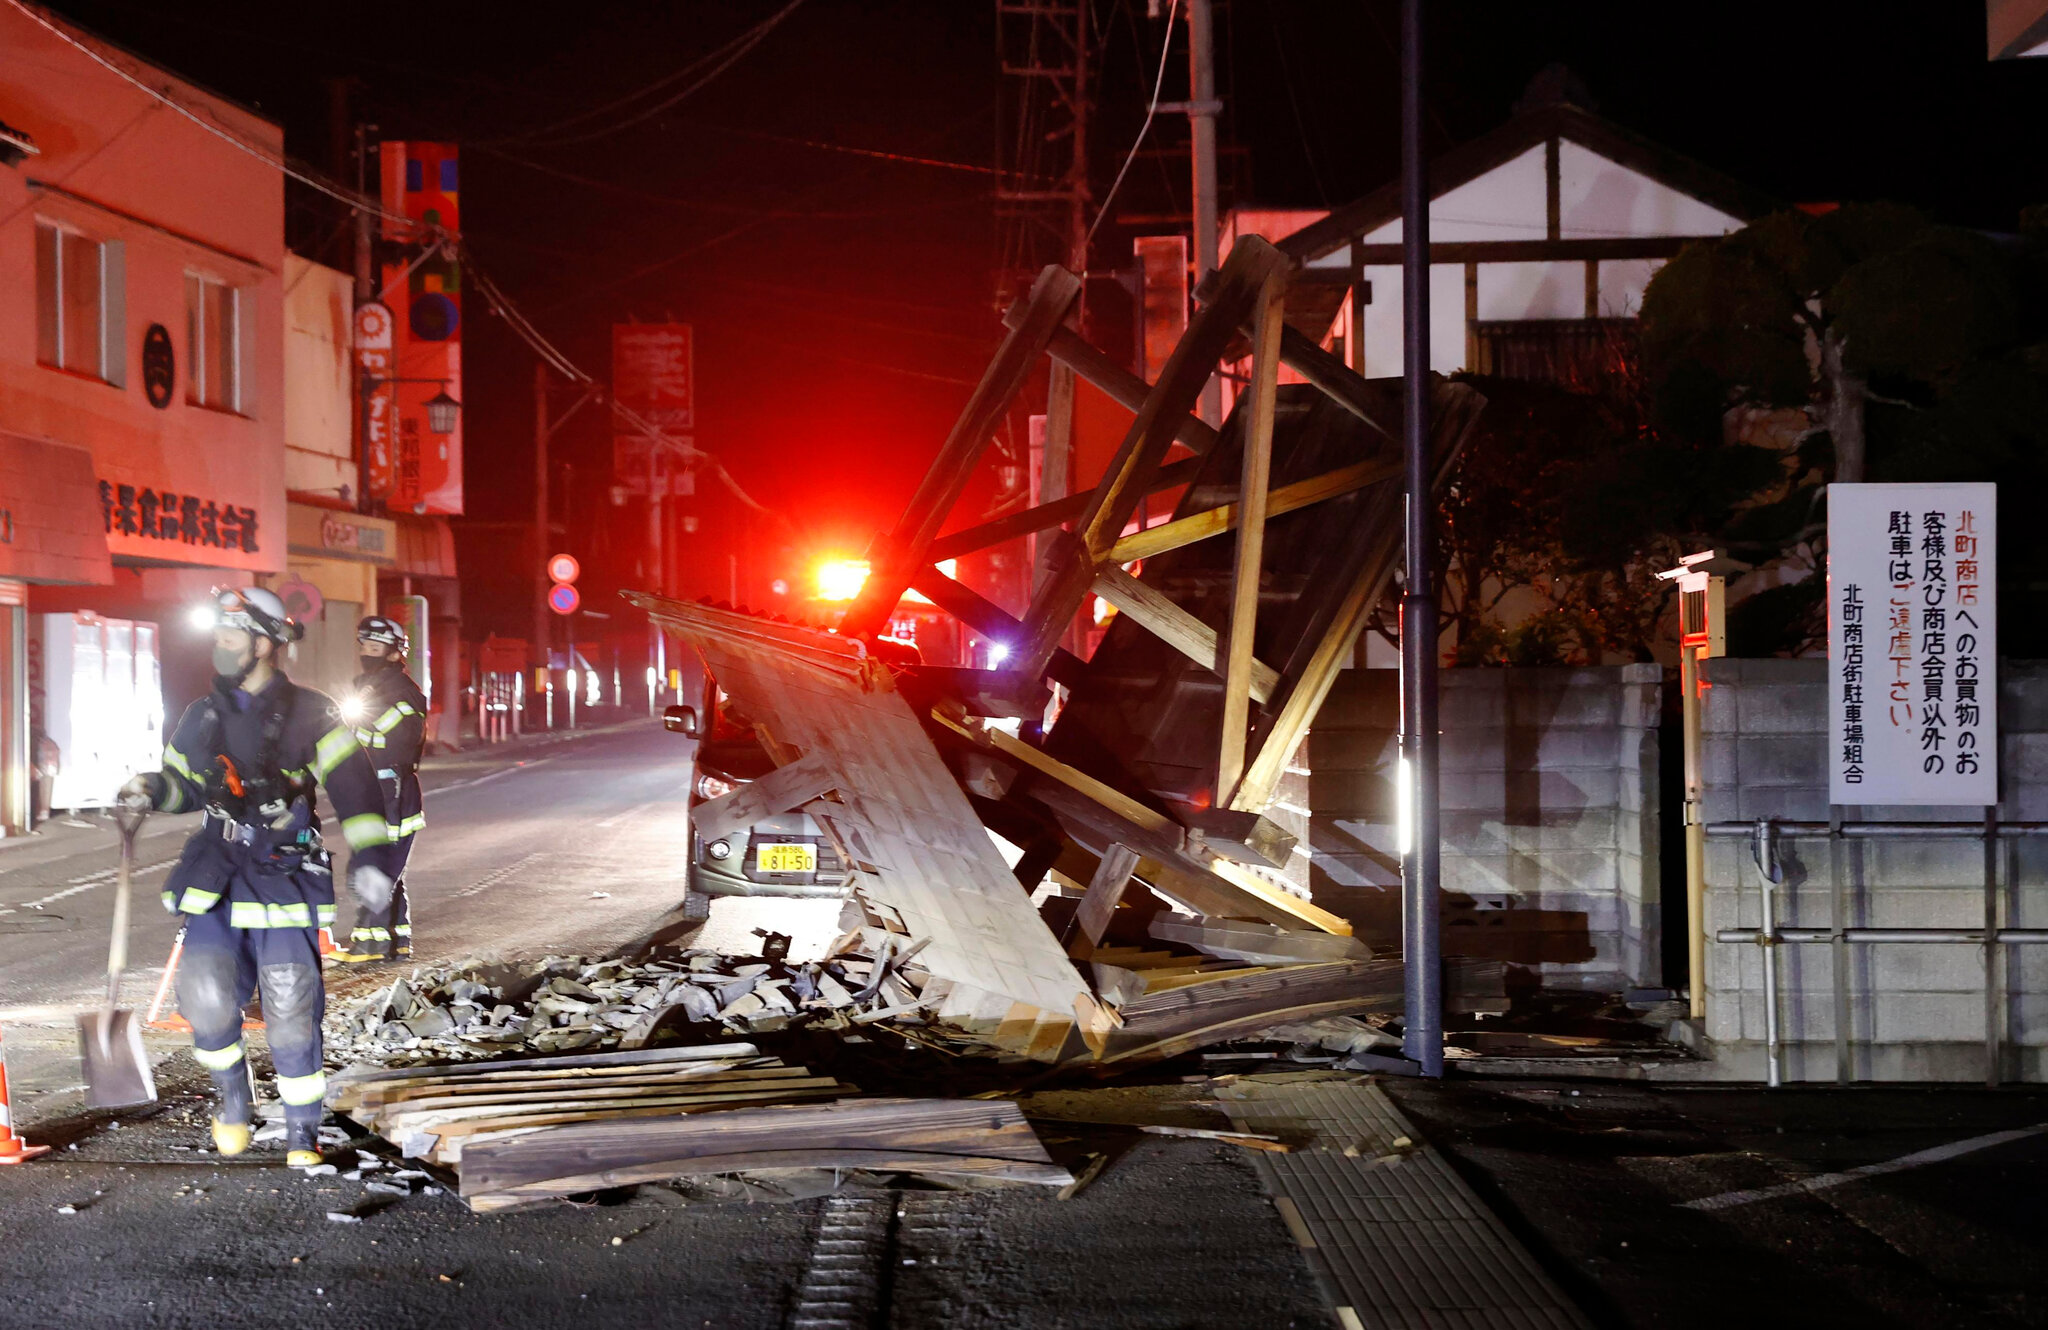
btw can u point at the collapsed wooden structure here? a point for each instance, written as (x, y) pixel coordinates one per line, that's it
(1173, 736)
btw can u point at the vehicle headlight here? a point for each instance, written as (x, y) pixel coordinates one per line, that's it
(718, 849)
(711, 787)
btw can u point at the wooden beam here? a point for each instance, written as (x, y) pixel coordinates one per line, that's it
(1332, 376)
(991, 621)
(1215, 521)
(1453, 416)
(782, 789)
(1052, 513)
(1151, 610)
(1115, 800)
(903, 549)
(1129, 475)
(1255, 475)
(1105, 889)
(1069, 348)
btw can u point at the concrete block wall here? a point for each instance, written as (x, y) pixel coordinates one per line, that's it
(1551, 821)
(1915, 1011)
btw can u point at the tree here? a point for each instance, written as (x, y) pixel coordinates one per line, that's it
(1564, 505)
(1913, 351)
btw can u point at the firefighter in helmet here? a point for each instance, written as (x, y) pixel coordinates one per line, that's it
(254, 884)
(390, 717)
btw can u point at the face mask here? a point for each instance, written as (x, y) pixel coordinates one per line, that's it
(231, 661)
(371, 664)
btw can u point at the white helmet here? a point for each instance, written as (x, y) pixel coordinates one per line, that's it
(257, 611)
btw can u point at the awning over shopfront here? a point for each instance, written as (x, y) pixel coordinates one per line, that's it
(52, 524)
(426, 547)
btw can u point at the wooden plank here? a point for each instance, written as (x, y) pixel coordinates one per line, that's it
(420, 1114)
(1053, 513)
(956, 1134)
(345, 1084)
(415, 1097)
(1215, 521)
(1119, 384)
(378, 1097)
(1105, 889)
(779, 791)
(1235, 940)
(1163, 1024)
(1109, 797)
(1249, 882)
(1171, 399)
(1149, 608)
(1249, 838)
(1254, 479)
(903, 549)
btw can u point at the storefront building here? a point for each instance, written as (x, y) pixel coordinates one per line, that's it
(141, 392)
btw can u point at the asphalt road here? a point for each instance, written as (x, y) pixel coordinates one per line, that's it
(563, 846)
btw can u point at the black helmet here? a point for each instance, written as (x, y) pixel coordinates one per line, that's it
(386, 632)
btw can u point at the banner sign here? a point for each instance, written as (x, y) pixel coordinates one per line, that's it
(420, 471)
(1913, 644)
(654, 378)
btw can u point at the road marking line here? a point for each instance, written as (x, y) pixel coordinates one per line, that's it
(86, 883)
(479, 780)
(497, 875)
(1938, 1154)
(617, 818)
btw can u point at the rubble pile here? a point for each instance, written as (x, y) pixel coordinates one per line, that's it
(474, 1009)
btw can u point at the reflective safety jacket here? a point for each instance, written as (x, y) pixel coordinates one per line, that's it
(252, 762)
(392, 732)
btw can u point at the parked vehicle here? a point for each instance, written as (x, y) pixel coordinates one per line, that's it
(784, 855)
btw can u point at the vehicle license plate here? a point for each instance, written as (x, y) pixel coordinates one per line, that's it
(787, 858)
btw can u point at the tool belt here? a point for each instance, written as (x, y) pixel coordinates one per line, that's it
(286, 846)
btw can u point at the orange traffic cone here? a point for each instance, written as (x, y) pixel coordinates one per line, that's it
(155, 1019)
(13, 1149)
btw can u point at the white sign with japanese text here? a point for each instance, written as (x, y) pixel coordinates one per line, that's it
(1912, 644)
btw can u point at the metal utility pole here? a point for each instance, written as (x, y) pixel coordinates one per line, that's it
(541, 635)
(1202, 108)
(366, 281)
(1421, 924)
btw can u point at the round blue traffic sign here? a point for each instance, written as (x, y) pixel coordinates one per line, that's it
(562, 598)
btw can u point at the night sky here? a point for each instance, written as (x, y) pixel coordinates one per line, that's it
(844, 304)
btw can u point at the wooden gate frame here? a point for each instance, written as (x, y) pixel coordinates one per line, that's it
(1245, 297)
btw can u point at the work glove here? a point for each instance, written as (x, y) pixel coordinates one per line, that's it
(372, 885)
(142, 792)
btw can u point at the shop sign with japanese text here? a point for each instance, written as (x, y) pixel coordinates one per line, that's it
(1912, 644)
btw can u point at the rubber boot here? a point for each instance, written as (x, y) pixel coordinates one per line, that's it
(232, 1125)
(302, 1142)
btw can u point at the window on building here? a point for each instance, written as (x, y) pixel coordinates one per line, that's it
(1585, 355)
(213, 357)
(78, 302)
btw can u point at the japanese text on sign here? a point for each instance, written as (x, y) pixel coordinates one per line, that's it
(1912, 644)
(134, 510)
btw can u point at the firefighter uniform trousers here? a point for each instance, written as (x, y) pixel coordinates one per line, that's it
(222, 968)
(254, 894)
(392, 740)
(385, 928)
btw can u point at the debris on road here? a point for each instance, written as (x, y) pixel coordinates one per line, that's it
(474, 1009)
(521, 1131)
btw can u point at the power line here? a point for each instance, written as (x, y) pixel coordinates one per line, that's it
(738, 49)
(304, 175)
(1165, 50)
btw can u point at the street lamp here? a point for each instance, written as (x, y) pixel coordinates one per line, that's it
(442, 411)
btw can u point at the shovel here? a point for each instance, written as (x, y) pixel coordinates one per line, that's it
(117, 1070)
